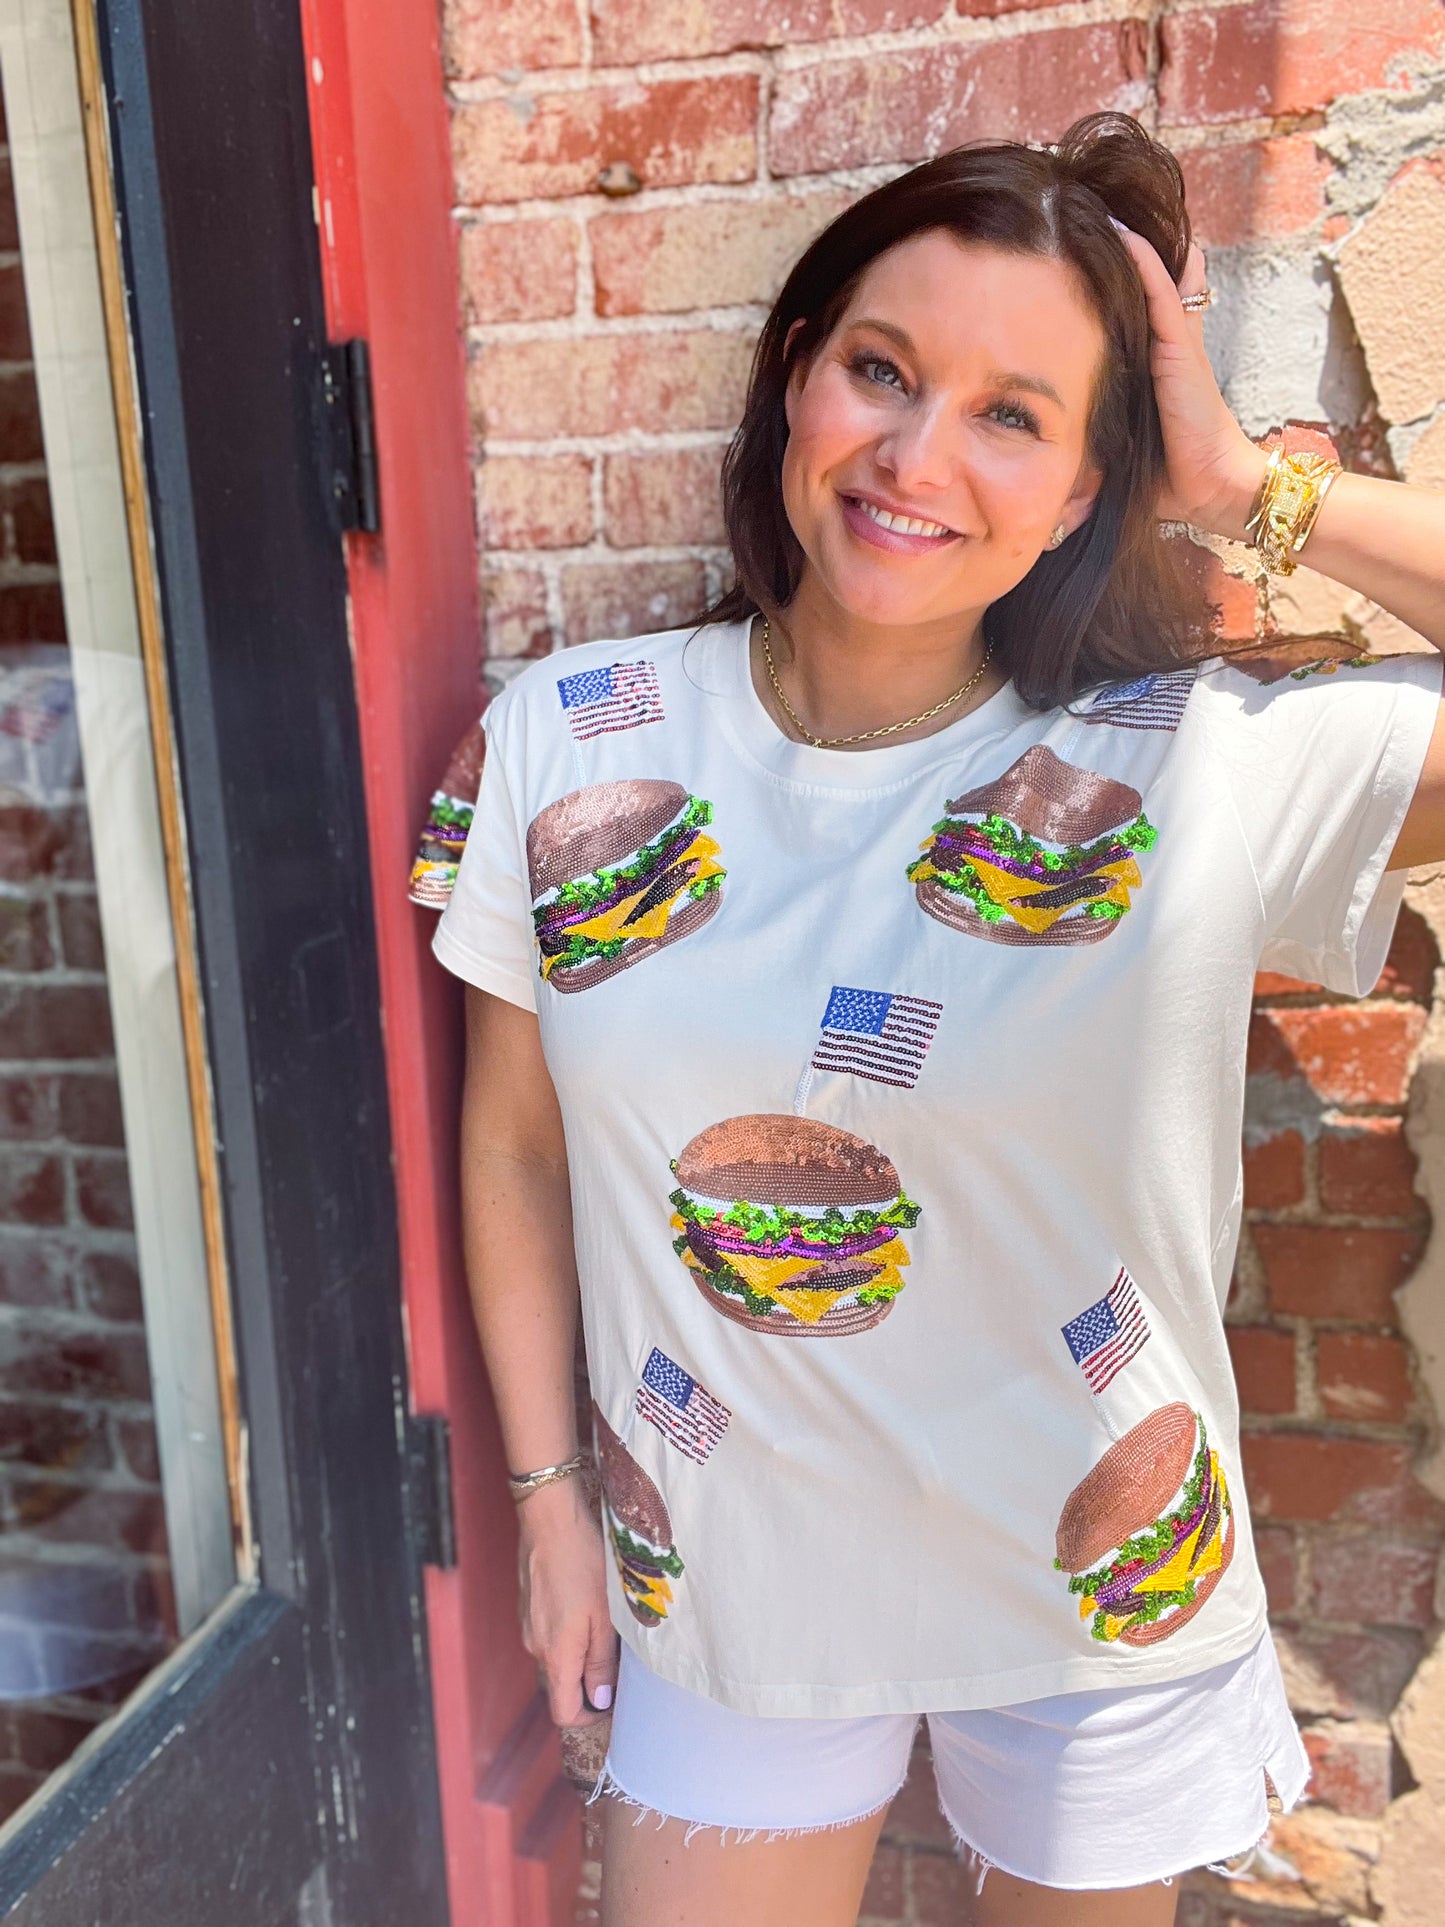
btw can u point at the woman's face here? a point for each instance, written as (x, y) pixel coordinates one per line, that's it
(954, 393)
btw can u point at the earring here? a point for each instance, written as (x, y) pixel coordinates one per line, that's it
(1058, 535)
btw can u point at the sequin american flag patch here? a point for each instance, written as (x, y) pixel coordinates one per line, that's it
(1149, 702)
(876, 1034)
(596, 702)
(1105, 1337)
(682, 1410)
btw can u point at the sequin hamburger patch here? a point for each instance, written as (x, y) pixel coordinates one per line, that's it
(1045, 854)
(618, 871)
(791, 1226)
(638, 1527)
(1149, 1533)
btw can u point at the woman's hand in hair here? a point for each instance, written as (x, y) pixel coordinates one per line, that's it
(1214, 469)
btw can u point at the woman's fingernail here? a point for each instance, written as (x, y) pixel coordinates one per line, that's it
(1120, 225)
(602, 1697)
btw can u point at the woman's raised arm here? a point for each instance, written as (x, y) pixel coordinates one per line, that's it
(517, 1235)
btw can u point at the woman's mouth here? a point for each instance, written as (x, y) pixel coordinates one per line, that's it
(898, 534)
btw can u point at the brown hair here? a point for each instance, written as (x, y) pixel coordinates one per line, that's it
(1111, 601)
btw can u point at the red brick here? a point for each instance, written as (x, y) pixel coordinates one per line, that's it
(625, 31)
(1326, 1271)
(9, 226)
(102, 1186)
(1274, 1548)
(491, 36)
(671, 132)
(883, 1895)
(1254, 189)
(515, 621)
(29, 1108)
(1274, 1172)
(1350, 1053)
(713, 254)
(907, 105)
(662, 496)
(58, 1436)
(54, 1020)
(603, 384)
(16, 1787)
(1369, 1168)
(138, 1443)
(519, 270)
(27, 503)
(1362, 1375)
(90, 1109)
(1413, 960)
(47, 1739)
(1303, 1477)
(34, 1271)
(31, 612)
(535, 501)
(1263, 1363)
(110, 1287)
(24, 935)
(78, 1364)
(1270, 983)
(629, 598)
(1351, 1768)
(1290, 56)
(78, 914)
(1236, 597)
(1370, 1580)
(14, 321)
(20, 437)
(32, 1187)
(941, 1890)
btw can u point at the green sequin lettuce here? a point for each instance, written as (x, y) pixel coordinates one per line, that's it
(448, 812)
(583, 892)
(1009, 841)
(1327, 665)
(1155, 1540)
(768, 1224)
(670, 1561)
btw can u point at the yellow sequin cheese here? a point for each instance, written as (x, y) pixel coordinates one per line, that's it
(702, 850)
(1003, 887)
(784, 1279)
(1188, 1563)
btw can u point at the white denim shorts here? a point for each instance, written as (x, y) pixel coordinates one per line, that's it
(1091, 1790)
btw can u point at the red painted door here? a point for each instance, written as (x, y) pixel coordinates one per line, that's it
(383, 175)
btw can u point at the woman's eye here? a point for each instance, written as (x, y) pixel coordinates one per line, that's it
(1014, 415)
(869, 365)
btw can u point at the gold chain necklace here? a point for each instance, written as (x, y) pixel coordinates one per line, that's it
(866, 735)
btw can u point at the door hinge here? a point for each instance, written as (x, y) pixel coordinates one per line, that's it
(429, 1477)
(346, 383)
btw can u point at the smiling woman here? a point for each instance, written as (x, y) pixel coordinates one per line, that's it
(890, 1142)
(959, 367)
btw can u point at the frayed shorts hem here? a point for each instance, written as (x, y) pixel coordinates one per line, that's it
(608, 1784)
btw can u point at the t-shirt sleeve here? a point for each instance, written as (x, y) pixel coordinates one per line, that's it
(485, 932)
(1324, 763)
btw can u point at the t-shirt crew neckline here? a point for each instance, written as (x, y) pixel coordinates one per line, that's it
(727, 669)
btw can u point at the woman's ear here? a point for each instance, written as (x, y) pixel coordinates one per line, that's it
(798, 373)
(1080, 505)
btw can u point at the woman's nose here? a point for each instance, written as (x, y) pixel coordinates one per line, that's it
(924, 457)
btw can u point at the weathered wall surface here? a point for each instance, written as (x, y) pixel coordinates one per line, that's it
(633, 177)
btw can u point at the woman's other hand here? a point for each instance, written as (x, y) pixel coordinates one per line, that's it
(566, 1625)
(1214, 468)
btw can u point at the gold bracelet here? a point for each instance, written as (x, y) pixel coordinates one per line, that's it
(1287, 504)
(524, 1484)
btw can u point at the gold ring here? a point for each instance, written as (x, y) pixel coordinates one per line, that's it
(1192, 303)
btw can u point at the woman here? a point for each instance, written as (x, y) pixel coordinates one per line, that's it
(859, 985)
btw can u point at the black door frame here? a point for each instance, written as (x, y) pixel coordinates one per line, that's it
(281, 1766)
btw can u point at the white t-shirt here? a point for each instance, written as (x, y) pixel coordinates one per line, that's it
(903, 1093)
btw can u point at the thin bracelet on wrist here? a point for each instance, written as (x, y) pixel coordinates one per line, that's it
(524, 1484)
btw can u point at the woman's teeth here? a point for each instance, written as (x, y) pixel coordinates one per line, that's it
(904, 524)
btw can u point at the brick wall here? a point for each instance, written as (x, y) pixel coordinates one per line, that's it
(82, 1537)
(633, 178)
